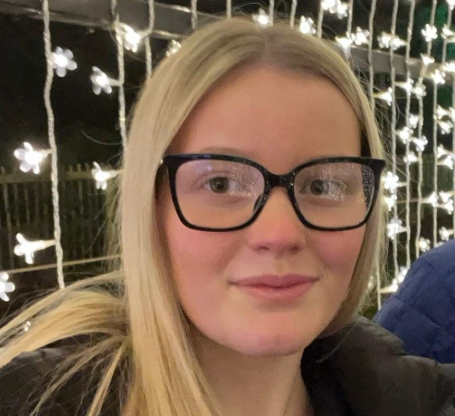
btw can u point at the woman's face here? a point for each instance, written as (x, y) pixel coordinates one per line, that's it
(280, 120)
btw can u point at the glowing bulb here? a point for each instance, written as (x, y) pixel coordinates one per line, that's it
(419, 90)
(414, 120)
(430, 32)
(445, 234)
(447, 34)
(441, 112)
(173, 47)
(307, 26)
(385, 95)
(442, 151)
(262, 18)
(131, 38)
(445, 196)
(360, 37)
(5, 286)
(451, 3)
(28, 248)
(101, 82)
(390, 201)
(420, 143)
(432, 199)
(395, 227)
(386, 40)
(448, 161)
(410, 158)
(335, 7)
(101, 176)
(407, 85)
(405, 134)
(424, 244)
(62, 60)
(30, 159)
(445, 126)
(402, 274)
(439, 77)
(449, 66)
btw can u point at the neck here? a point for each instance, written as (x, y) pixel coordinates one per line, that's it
(254, 385)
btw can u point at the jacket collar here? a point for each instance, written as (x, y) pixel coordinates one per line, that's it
(363, 370)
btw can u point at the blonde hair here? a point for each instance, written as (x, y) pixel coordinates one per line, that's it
(134, 324)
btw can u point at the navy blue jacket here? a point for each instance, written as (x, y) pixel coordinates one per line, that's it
(422, 312)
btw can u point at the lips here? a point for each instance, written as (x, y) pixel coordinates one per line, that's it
(276, 281)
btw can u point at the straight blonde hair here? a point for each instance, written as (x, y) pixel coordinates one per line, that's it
(132, 318)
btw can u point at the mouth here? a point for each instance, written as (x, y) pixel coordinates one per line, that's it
(277, 294)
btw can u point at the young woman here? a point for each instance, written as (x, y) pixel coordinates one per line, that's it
(250, 220)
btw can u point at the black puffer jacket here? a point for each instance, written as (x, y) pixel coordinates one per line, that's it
(367, 373)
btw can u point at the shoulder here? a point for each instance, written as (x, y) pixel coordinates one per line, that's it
(24, 380)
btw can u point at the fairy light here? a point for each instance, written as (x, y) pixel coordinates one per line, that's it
(390, 201)
(101, 82)
(420, 143)
(395, 227)
(430, 32)
(262, 18)
(407, 85)
(445, 234)
(173, 47)
(405, 134)
(62, 60)
(307, 26)
(419, 90)
(449, 66)
(445, 126)
(52, 145)
(387, 40)
(448, 162)
(28, 248)
(386, 96)
(438, 76)
(410, 158)
(345, 43)
(5, 286)
(101, 176)
(424, 244)
(413, 120)
(335, 7)
(360, 36)
(451, 4)
(447, 34)
(131, 38)
(293, 13)
(30, 158)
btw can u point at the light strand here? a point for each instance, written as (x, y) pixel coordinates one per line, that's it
(52, 144)
(408, 125)
(370, 53)
(194, 20)
(228, 9)
(148, 38)
(320, 19)
(350, 17)
(393, 130)
(121, 75)
(271, 10)
(293, 12)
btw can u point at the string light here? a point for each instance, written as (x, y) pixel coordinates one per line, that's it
(5, 286)
(131, 38)
(447, 34)
(28, 248)
(414, 120)
(262, 18)
(430, 32)
(445, 126)
(30, 158)
(395, 227)
(385, 95)
(173, 47)
(62, 60)
(424, 244)
(101, 176)
(360, 37)
(387, 40)
(390, 201)
(439, 77)
(445, 234)
(335, 7)
(449, 66)
(420, 143)
(307, 26)
(451, 4)
(407, 85)
(419, 90)
(411, 157)
(101, 82)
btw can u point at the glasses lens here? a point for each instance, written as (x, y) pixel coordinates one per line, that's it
(335, 194)
(218, 193)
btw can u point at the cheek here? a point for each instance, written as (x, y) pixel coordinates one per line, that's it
(339, 253)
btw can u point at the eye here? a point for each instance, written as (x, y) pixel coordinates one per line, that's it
(219, 184)
(326, 188)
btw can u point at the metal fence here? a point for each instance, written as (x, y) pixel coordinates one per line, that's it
(26, 207)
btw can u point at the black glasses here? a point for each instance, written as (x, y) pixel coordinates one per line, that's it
(213, 192)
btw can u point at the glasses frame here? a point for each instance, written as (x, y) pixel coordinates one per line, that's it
(271, 180)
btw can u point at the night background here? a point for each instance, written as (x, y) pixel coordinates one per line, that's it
(87, 128)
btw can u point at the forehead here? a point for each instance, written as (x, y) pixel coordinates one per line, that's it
(277, 118)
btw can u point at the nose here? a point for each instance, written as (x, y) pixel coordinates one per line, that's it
(277, 230)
